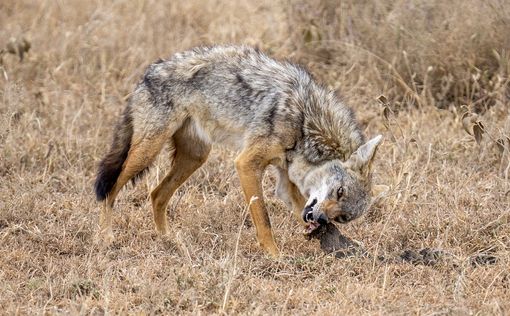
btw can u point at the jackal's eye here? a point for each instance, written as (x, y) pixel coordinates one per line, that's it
(339, 193)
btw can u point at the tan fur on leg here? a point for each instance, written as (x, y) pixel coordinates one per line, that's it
(139, 157)
(250, 165)
(190, 154)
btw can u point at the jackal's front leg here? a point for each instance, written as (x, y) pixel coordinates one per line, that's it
(250, 165)
(289, 193)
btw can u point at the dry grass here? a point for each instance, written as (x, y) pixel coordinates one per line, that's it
(58, 105)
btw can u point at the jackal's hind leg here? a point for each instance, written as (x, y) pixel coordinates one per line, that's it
(189, 154)
(140, 156)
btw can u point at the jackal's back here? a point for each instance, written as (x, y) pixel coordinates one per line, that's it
(240, 90)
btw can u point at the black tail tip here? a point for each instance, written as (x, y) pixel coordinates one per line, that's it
(102, 189)
(105, 181)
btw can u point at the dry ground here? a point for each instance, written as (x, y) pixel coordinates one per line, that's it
(58, 105)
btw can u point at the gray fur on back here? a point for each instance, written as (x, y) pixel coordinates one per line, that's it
(251, 91)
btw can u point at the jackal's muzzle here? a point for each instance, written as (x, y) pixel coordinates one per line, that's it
(316, 215)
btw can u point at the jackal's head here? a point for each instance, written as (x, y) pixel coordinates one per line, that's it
(340, 191)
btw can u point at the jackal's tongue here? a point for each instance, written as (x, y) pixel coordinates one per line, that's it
(311, 227)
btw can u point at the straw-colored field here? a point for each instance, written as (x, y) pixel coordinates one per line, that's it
(432, 60)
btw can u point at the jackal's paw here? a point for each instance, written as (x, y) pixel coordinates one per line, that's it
(272, 250)
(163, 231)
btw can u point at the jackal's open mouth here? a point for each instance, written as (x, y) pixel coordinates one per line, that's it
(312, 226)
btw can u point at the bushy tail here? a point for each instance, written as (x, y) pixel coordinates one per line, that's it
(111, 165)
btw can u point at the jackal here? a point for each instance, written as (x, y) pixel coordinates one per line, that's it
(272, 112)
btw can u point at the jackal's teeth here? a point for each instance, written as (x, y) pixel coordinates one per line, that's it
(309, 217)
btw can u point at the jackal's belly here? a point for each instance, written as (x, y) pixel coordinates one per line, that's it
(229, 134)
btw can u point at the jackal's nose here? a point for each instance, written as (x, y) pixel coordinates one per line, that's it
(323, 219)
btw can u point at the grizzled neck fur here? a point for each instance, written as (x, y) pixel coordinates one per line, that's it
(330, 130)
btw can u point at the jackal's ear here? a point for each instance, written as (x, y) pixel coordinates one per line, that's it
(361, 160)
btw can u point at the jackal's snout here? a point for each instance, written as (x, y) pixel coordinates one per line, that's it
(326, 212)
(310, 217)
(308, 211)
(313, 218)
